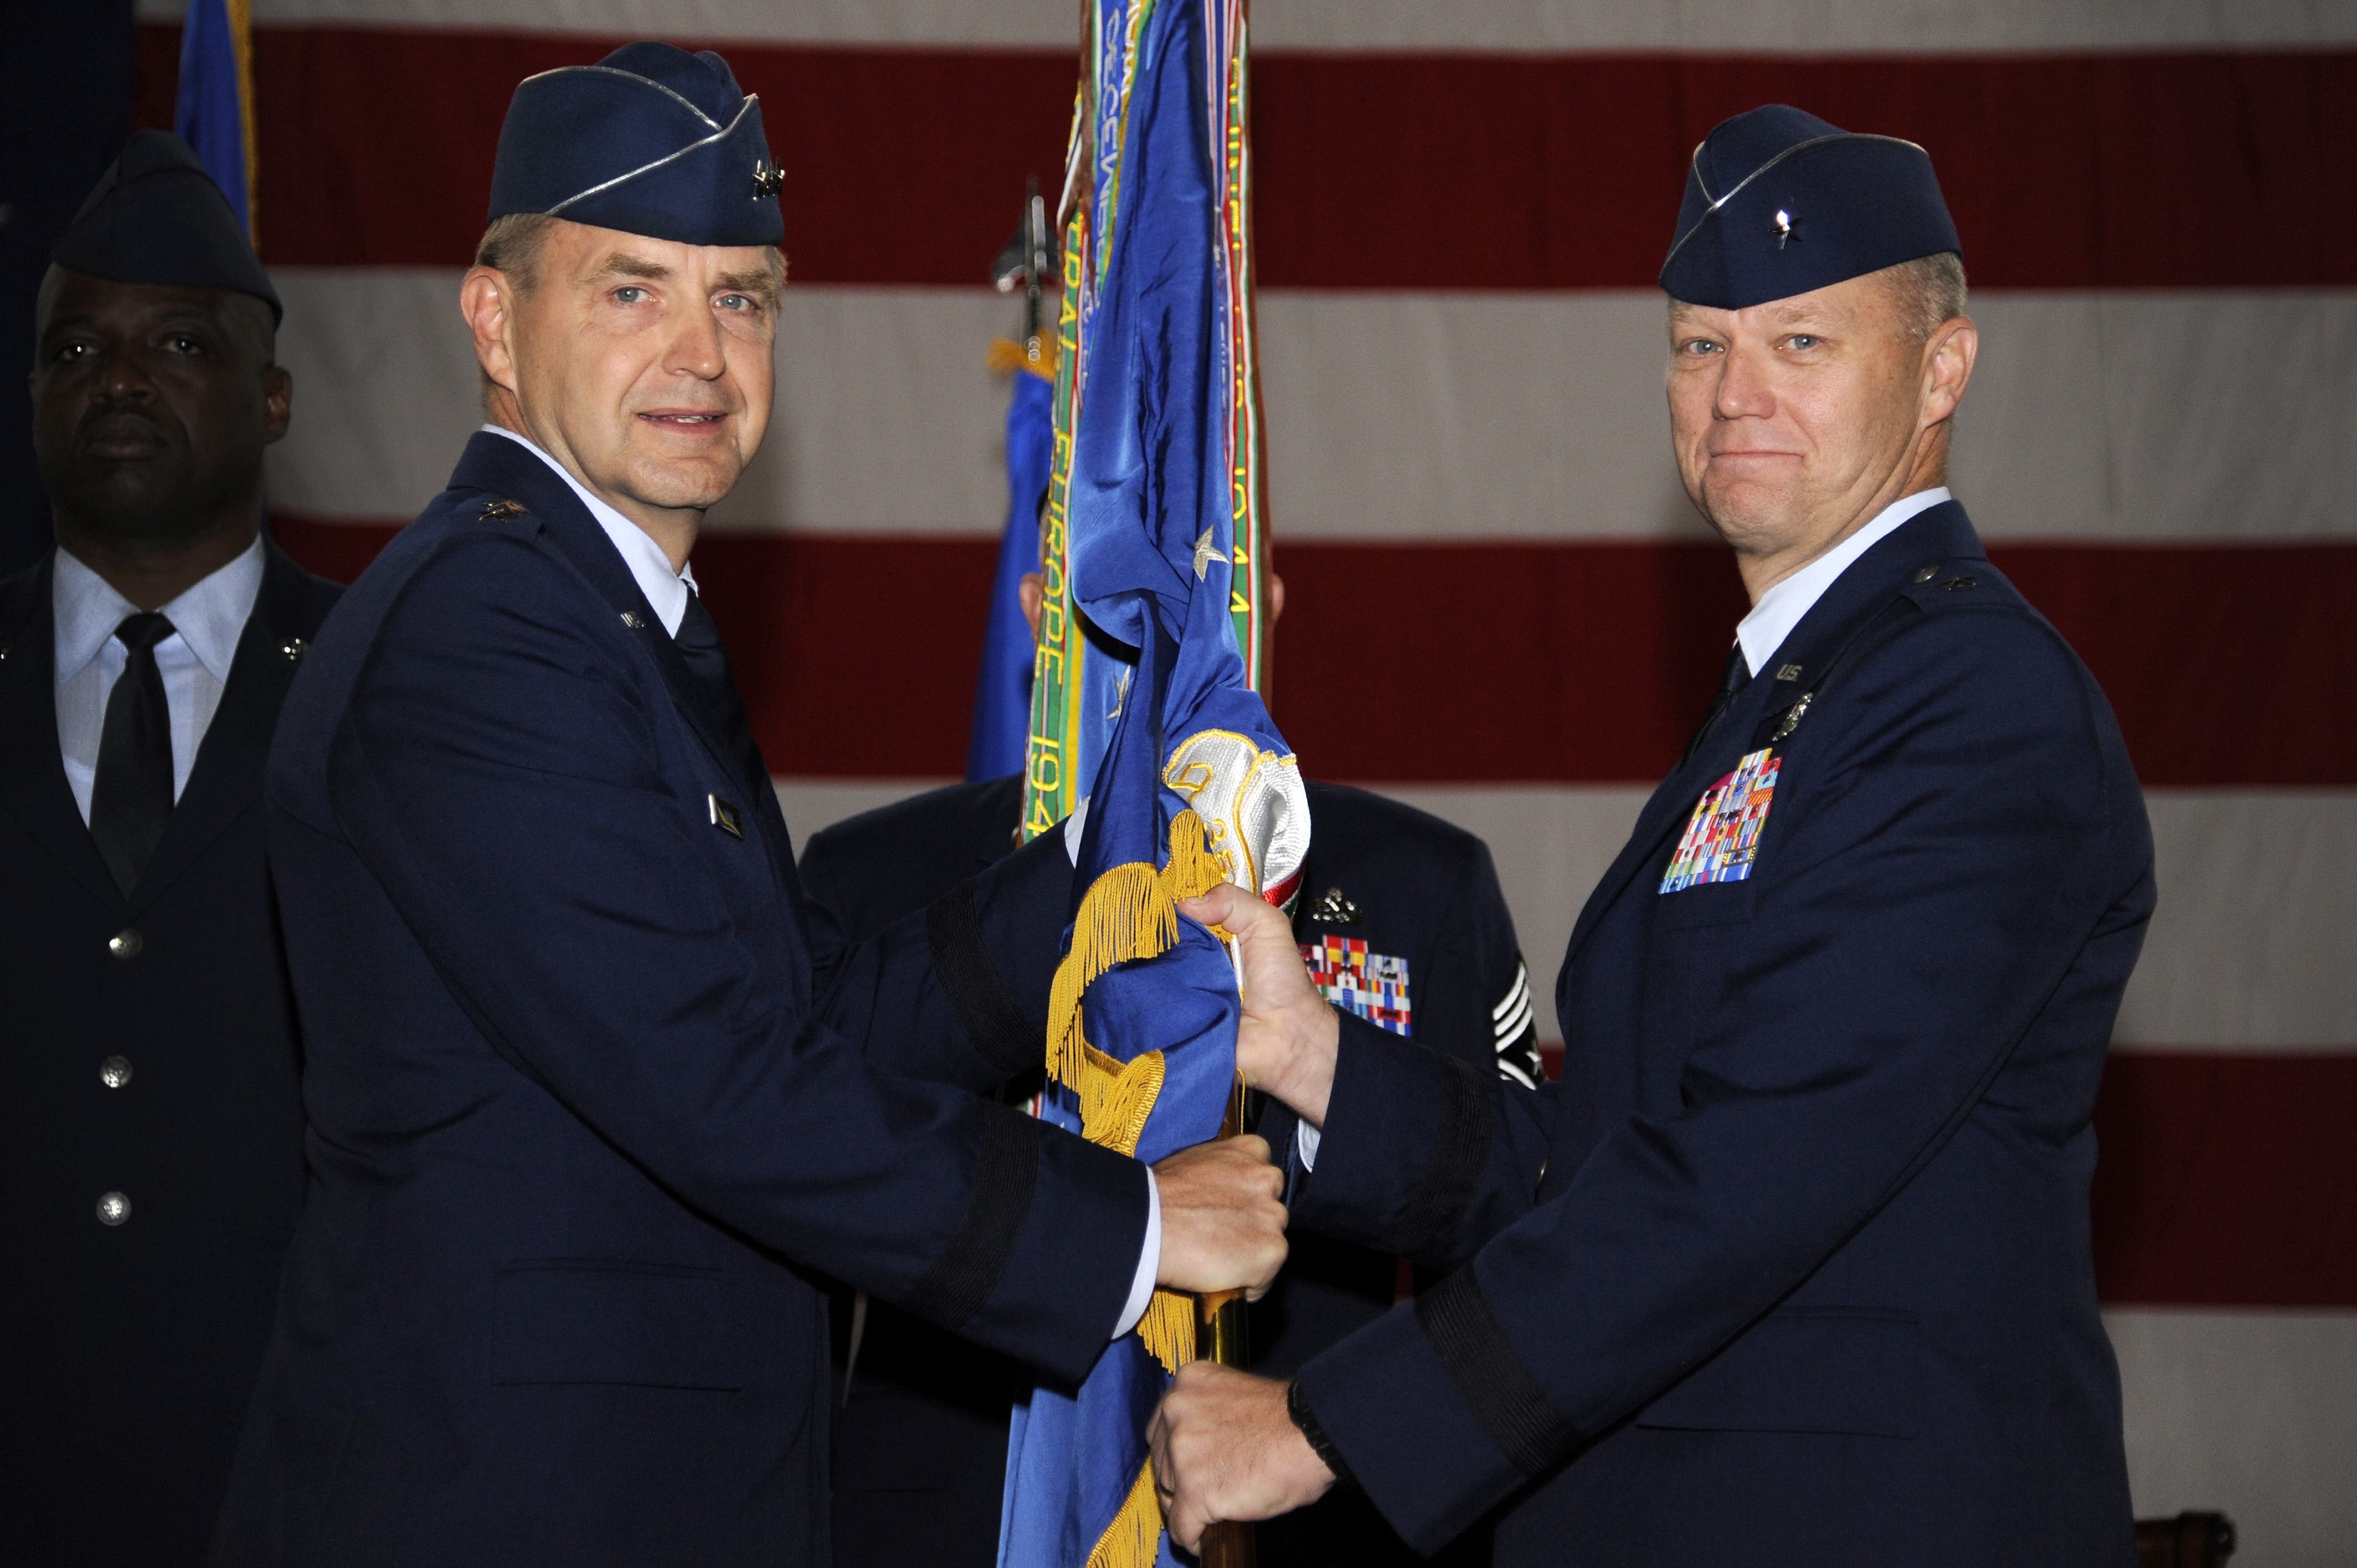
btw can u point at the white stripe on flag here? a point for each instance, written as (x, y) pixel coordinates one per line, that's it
(2252, 1413)
(1410, 416)
(2247, 951)
(1701, 26)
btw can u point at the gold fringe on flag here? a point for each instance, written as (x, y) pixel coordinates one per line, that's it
(1131, 912)
(1134, 1539)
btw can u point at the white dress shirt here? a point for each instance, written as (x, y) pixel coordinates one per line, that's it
(1780, 610)
(207, 622)
(1762, 633)
(667, 592)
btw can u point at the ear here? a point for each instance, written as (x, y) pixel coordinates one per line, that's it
(1948, 357)
(1276, 599)
(1031, 590)
(486, 300)
(277, 401)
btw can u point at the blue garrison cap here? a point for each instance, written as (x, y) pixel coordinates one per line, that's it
(156, 217)
(1779, 203)
(651, 140)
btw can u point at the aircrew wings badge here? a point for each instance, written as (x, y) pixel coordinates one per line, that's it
(1722, 837)
(1372, 985)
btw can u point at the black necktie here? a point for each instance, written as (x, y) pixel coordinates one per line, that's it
(1738, 675)
(698, 641)
(131, 799)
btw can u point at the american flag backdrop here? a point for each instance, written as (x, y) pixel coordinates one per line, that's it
(1501, 607)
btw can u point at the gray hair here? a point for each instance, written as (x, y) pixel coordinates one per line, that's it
(1927, 291)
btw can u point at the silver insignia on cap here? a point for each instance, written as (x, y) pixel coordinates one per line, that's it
(1784, 230)
(767, 178)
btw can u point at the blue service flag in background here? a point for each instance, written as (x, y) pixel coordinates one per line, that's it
(214, 114)
(1195, 785)
(1002, 702)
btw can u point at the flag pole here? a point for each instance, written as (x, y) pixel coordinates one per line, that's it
(1222, 1337)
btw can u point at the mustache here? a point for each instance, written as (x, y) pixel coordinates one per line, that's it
(102, 424)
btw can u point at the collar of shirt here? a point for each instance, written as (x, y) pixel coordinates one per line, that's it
(665, 589)
(1780, 610)
(209, 618)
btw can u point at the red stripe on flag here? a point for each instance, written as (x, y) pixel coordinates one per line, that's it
(2226, 1180)
(1376, 170)
(1499, 663)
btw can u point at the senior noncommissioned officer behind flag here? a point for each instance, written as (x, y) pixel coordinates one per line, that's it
(1144, 711)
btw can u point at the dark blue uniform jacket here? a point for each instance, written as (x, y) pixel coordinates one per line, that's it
(1793, 1265)
(920, 1440)
(585, 1084)
(127, 1351)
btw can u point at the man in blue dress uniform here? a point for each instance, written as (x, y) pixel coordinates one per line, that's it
(590, 1082)
(153, 1131)
(1408, 928)
(1793, 1265)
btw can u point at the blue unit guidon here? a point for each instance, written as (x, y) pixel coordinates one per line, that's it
(1372, 985)
(1722, 837)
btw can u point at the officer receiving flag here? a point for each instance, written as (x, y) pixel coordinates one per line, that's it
(1146, 727)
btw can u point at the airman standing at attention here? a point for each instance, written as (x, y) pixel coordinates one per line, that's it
(152, 1138)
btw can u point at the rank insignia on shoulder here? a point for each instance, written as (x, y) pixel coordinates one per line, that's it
(1722, 837)
(294, 648)
(500, 510)
(1333, 909)
(725, 817)
(1372, 985)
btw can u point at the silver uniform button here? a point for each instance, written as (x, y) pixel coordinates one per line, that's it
(114, 1072)
(114, 1208)
(126, 942)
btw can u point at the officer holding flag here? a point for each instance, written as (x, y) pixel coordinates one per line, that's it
(591, 1084)
(1793, 1263)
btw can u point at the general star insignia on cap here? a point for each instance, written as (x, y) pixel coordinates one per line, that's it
(1870, 202)
(156, 217)
(651, 140)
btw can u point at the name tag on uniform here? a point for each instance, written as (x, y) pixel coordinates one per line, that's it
(1373, 985)
(1722, 837)
(725, 817)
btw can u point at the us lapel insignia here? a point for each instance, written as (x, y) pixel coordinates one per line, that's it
(1371, 984)
(634, 621)
(1334, 909)
(725, 817)
(294, 648)
(1722, 837)
(500, 510)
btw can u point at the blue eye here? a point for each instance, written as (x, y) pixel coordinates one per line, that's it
(1801, 340)
(629, 294)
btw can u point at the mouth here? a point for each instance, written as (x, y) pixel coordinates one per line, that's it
(684, 419)
(122, 438)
